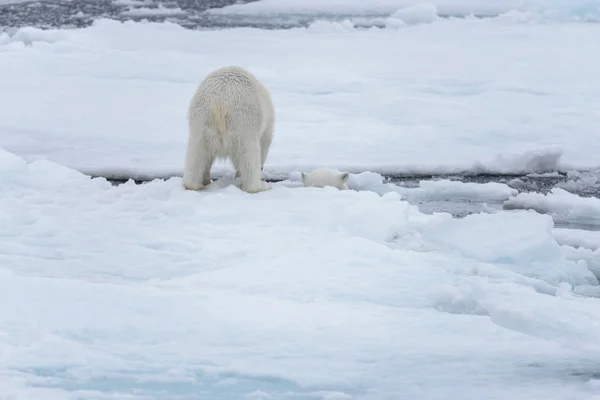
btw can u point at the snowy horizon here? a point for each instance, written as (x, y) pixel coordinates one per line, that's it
(550, 8)
(540, 117)
(419, 289)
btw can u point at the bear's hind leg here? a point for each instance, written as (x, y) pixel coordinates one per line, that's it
(210, 158)
(247, 160)
(265, 144)
(198, 162)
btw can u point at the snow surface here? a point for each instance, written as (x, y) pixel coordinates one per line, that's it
(466, 191)
(442, 189)
(574, 8)
(153, 292)
(562, 205)
(477, 95)
(578, 238)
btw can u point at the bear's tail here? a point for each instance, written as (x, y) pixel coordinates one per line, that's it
(219, 113)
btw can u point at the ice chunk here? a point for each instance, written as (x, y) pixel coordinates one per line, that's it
(445, 189)
(565, 207)
(417, 14)
(577, 238)
(519, 241)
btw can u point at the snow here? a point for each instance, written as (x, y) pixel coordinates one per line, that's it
(420, 13)
(562, 205)
(551, 8)
(361, 7)
(578, 238)
(153, 292)
(490, 191)
(150, 291)
(581, 181)
(433, 190)
(452, 96)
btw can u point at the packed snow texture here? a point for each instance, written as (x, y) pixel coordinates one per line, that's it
(153, 292)
(473, 95)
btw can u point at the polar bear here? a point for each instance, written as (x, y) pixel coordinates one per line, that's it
(230, 115)
(322, 177)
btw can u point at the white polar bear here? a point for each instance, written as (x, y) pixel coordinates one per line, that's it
(231, 115)
(322, 177)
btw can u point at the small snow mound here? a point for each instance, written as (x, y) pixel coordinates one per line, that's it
(445, 189)
(28, 35)
(418, 14)
(321, 26)
(385, 221)
(51, 170)
(540, 161)
(295, 176)
(516, 183)
(365, 181)
(43, 174)
(4, 38)
(10, 165)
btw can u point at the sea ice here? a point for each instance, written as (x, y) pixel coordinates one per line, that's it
(153, 292)
(372, 8)
(565, 207)
(390, 101)
(578, 238)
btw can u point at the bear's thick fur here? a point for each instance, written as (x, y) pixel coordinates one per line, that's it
(322, 177)
(231, 115)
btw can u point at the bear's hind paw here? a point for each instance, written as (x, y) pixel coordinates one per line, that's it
(193, 187)
(261, 187)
